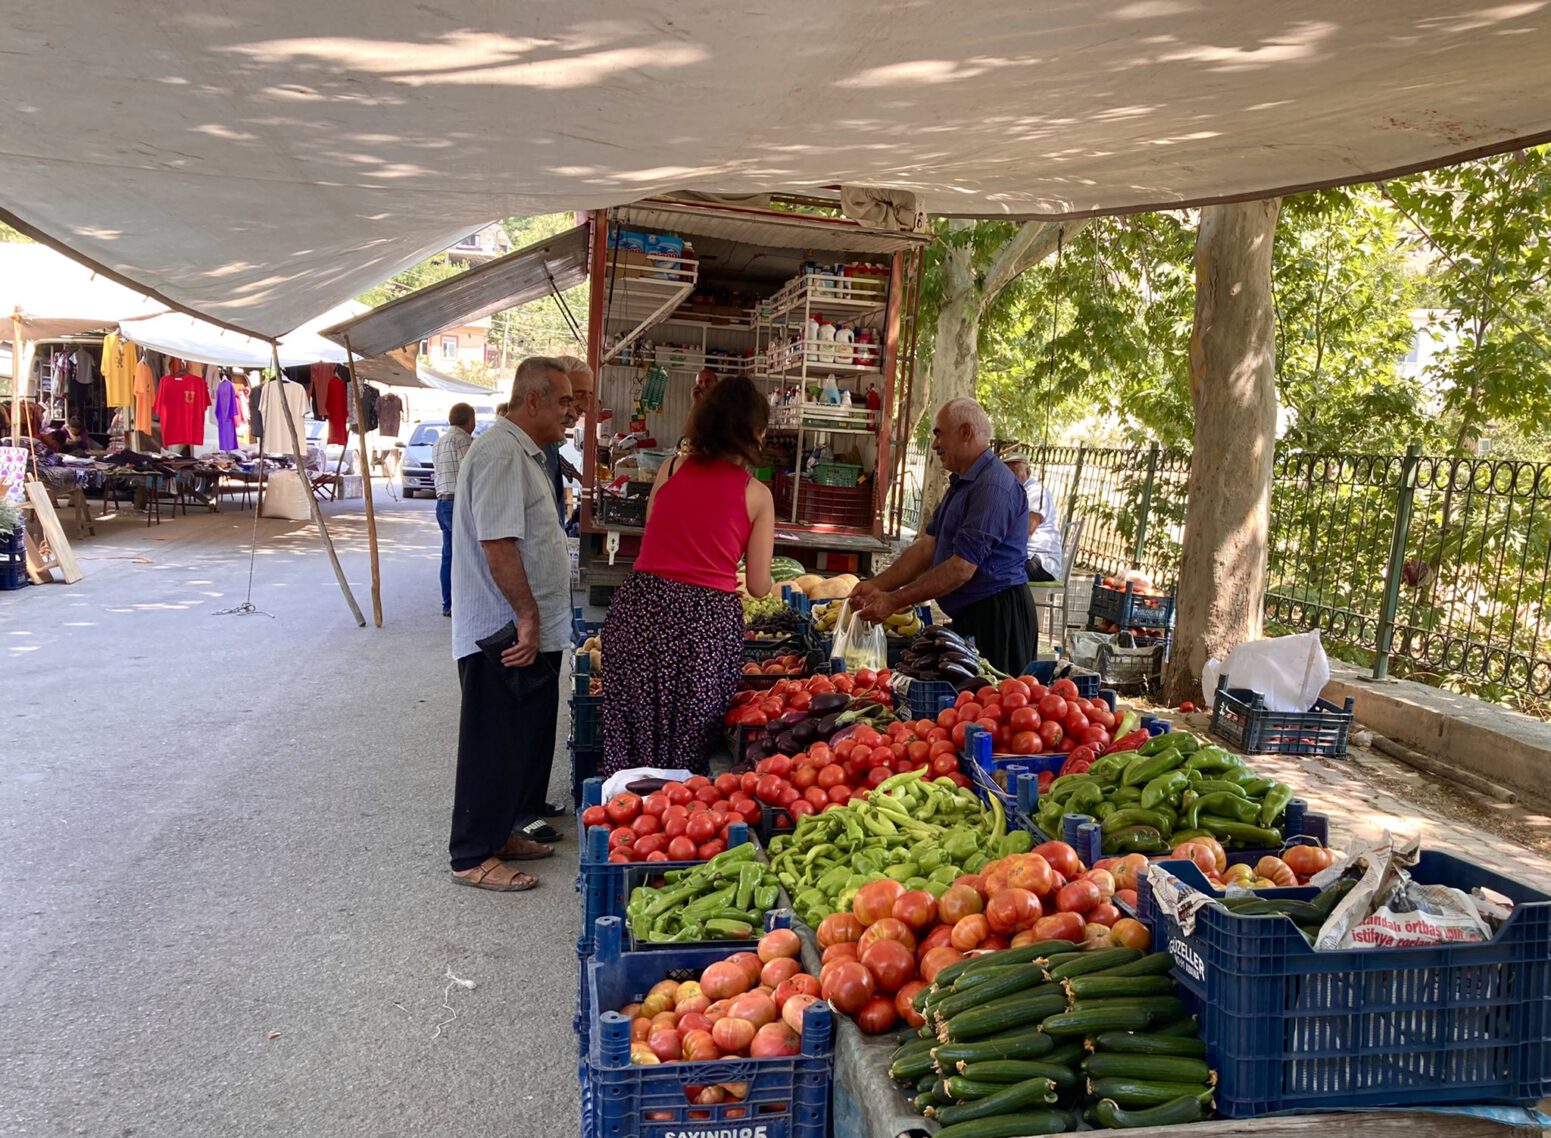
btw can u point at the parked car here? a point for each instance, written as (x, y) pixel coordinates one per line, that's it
(419, 471)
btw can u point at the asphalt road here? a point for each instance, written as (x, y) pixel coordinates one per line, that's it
(224, 904)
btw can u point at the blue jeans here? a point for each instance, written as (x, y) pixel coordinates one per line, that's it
(444, 519)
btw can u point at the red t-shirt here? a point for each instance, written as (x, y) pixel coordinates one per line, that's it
(181, 402)
(699, 526)
(338, 411)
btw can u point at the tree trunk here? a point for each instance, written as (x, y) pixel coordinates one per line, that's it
(1222, 575)
(955, 353)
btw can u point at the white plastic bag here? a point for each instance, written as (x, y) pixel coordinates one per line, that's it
(620, 781)
(837, 645)
(1288, 671)
(866, 645)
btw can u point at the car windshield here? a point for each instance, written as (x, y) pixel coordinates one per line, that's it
(426, 434)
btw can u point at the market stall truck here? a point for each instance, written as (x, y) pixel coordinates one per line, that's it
(819, 311)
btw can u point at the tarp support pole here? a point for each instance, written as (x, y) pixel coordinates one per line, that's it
(312, 498)
(16, 376)
(366, 482)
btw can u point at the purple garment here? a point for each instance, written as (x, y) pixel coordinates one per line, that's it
(226, 414)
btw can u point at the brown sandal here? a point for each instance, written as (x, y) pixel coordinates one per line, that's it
(497, 876)
(521, 848)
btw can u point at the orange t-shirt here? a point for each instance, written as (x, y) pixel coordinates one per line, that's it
(145, 397)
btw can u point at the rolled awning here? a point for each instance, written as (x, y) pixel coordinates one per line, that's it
(554, 264)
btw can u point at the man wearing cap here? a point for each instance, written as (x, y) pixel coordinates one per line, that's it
(1044, 548)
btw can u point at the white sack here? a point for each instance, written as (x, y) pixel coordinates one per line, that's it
(1289, 671)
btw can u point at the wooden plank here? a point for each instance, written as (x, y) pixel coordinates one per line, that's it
(53, 532)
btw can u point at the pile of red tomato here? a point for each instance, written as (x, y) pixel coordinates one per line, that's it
(1026, 718)
(893, 943)
(684, 821)
(758, 708)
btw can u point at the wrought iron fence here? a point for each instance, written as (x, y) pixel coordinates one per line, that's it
(1435, 568)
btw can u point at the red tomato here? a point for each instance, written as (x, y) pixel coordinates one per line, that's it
(780, 765)
(1075, 721)
(1060, 926)
(1103, 914)
(1010, 910)
(817, 796)
(878, 776)
(937, 735)
(1187, 706)
(958, 733)
(1052, 707)
(1062, 858)
(833, 775)
(1050, 735)
(904, 1006)
(749, 780)
(1037, 690)
(650, 844)
(789, 795)
(720, 806)
(682, 849)
(804, 777)
(750, 811)
(728, 784)
(945, 764)
(891, 963)
(849, 986)
(702, 828)
(882, 755)
(1024, 743)
(947, 717)
(867, 736)
(916, 910)
(960, 780)
(710, 849)
(620, 856)
(1093, 736)
(707, 794)
(769, 789)
(594, 816)
(986, 693)
(839, 795)
(646, 824)
(1078, 897)
(918, 751)
(1066, 689)
(1024, 719)
(623, 808)
(971, 710)
(1013, 687)
(993, 713)
(656, 803)
(676, 826)
(655, 855)
(877, 1016)
(1102, 716)
(801, 808)
(936, 959)
(623, 836)
(1033, 873)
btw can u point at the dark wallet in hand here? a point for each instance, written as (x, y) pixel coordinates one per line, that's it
(523, 681)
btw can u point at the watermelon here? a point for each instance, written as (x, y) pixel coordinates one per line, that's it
(784, 569)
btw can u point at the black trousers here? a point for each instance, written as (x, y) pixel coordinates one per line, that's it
(506, 746)
(1037, 571)
(1005, 626)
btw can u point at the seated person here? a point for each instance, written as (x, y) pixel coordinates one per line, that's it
(74, 439)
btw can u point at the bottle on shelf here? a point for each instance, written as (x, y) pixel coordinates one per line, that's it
(810, 338)
(831, 392)
(874, 400)
(825, 352)
(844, 338)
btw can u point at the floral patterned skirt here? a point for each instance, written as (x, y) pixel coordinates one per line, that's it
(672, 654)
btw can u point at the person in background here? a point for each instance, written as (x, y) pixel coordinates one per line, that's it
(446, 459)
(509, 569)
(970, 557)
(74, 439)
(705, 380)
(582, 385)
(500, 409)
(1044, 548)
(673, 640)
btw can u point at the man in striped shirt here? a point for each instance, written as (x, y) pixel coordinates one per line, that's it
(446, 458)
(509, 566)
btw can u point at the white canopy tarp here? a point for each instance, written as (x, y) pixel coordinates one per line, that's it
(258, 163)
(56, 296)
(189, 338)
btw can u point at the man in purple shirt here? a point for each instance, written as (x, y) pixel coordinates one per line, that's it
(970, 557)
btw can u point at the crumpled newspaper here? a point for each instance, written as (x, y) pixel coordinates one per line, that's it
(1387, 909)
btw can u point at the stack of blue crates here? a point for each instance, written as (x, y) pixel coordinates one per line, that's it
(585, 745)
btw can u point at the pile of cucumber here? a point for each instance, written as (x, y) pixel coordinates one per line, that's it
(1038, 1039)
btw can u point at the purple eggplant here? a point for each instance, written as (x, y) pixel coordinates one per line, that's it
(791, 719)
(830, 703)
(806, 732)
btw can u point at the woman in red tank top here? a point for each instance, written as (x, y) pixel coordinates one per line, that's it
(673, 640)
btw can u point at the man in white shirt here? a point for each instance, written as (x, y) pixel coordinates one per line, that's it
(1044, 547)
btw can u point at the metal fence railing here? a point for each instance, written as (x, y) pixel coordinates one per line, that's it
(1435, 568)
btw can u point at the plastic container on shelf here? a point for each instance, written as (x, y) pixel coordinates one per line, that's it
(1241, 718)
(1289, 1028)
(784, 1097)
(845, 337)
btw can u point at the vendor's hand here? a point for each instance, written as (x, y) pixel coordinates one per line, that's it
(862, 593)
(526, 650)
(878, 609)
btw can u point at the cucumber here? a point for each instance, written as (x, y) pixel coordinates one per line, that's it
(944, 979)
(1012, 1125)
(1104, 985)
(1018, 981)
(928, 1083)
(964, 1089)
(928, 1101)
(1016, 1070)
(1097, 960)
(1153, 964)
(1141, 1093)
(1002, 1016)
(1132, 1043)
(1030, 1092)
(909, 1065)
(1023, 954)
(1091, 1020)
(1185, 1108)
(1183, 1028)
(1067, 1055)
(1164, 1009)
(1149, 1068)
(1024, 1044)
(974, 977)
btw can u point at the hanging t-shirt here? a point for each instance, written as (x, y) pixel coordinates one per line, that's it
(319, 375)
(226, 411)
(145, 397)
(277, 399)
(255, 416)
(181, 401)
(119, 361)
(389, 409)
(339, 412)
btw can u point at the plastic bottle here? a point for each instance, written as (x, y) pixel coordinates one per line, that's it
(844, 337)
(874, 400)
(810, 342)
(826, 337)
(831, 391)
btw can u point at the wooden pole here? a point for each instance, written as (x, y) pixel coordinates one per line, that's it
(16, 373)
(312, 499)
(366, 483)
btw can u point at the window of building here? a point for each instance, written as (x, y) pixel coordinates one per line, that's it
(449, 347)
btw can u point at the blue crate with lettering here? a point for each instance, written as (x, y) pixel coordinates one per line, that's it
(1126, 608)
(783, 1097)
(1289, 1028)
(1240, 717)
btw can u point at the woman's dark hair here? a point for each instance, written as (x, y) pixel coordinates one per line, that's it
(728, 420)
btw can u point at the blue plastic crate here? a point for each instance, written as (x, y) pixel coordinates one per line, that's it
(925, 698)
(1240, 717)
(1289, 1028)
(605, 886)
(585, 764)
(13, 561)
(786, 1098)
(1126, 609)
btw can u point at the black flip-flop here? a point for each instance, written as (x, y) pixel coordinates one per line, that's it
(550, 810)
(541, 831)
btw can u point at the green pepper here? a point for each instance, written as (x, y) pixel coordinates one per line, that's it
(1016, 842)
(749, 876)
(1255, 787)
(833, 878)
(975, 862)
(709, 902)
(1168, 741)
(904, 871)
(1106, 771)
(936, 888)
(1273, 805)
(1149, 767)
(959, 844)
(1134, 839)
(1221, 786)
(1134, 816)
(1227, 806)
(1213, 759)
(1228, 831)
(1163, 788)
(1126, 795)
(1084, 800)
(726, 929)
(1067, 783)
(767, 897)
(1103, 810)
(944, 874)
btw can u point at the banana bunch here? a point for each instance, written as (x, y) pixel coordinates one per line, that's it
(904, 624)
(824, 616)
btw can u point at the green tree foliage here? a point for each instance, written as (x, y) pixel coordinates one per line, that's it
(1486, 229)
(12, 236)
